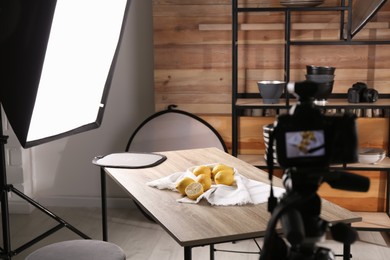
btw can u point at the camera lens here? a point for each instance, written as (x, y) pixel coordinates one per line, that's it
(369, 95)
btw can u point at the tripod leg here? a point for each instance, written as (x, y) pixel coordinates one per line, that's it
(6, 252)
(5, 224)
(4, 197)
(347, 252)
(48, 212)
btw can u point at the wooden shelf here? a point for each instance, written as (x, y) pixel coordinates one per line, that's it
(259, 161)
(249, 100)
(373, 221)
(331, 103)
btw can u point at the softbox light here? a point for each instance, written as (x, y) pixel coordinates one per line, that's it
(56, 64)
(362, 12)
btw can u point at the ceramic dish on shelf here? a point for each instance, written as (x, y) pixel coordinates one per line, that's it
(324, 90)
(320, 78)
(274, 160)
(267, 129)
(320, 70)
(371, 155)
(301, 3)
(271, 90)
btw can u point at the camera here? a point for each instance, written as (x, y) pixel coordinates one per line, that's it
(307, 141)
(361, 93)
(308, 138)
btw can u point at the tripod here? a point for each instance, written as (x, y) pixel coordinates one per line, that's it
(299, 211)
(6, 251)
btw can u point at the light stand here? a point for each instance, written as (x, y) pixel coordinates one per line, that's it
(57, 60)
(6, 251)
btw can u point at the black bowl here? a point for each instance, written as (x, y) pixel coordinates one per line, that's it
(320, 70)
(320, 78)
(324, 90)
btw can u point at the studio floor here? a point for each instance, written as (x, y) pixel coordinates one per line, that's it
(145, 240)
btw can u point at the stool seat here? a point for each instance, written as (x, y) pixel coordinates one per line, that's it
(79, 250)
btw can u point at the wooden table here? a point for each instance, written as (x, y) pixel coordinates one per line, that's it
(193, 225)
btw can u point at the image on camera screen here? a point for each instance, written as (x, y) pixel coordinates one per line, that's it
(305, 144)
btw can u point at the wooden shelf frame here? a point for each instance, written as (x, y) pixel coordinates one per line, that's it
(345, 10)
(259, 161)
(239, 104)
(373, 221)
(336, 103)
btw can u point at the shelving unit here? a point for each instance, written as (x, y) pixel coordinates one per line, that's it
(244, 101)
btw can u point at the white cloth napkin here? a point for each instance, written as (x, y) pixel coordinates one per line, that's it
(244, 191)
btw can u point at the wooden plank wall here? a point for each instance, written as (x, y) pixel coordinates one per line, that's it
(192, 59)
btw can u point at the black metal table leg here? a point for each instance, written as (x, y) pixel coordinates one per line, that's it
(212, 252)
(187, 253)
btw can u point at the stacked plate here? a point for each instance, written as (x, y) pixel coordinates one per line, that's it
(267, 130)
(301, 3)
(371, 155)
(324, 77)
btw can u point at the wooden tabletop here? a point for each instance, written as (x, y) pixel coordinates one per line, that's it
(203, 224)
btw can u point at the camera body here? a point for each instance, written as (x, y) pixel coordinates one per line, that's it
(328, 139)
(361, 93)
(306, 138)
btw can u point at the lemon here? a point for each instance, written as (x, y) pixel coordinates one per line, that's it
(182, 184)
(220, 167)
(202, 169)
(225, 177)
(205, 180)
(194, 190)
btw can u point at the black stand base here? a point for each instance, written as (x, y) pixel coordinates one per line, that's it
(6, 252)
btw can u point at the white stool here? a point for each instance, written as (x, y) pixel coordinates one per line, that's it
(79, 250)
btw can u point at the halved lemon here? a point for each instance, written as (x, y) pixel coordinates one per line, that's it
(194, 190)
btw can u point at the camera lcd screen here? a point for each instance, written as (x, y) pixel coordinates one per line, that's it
(301, 144)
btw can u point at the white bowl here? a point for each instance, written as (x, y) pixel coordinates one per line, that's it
(369, 155)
